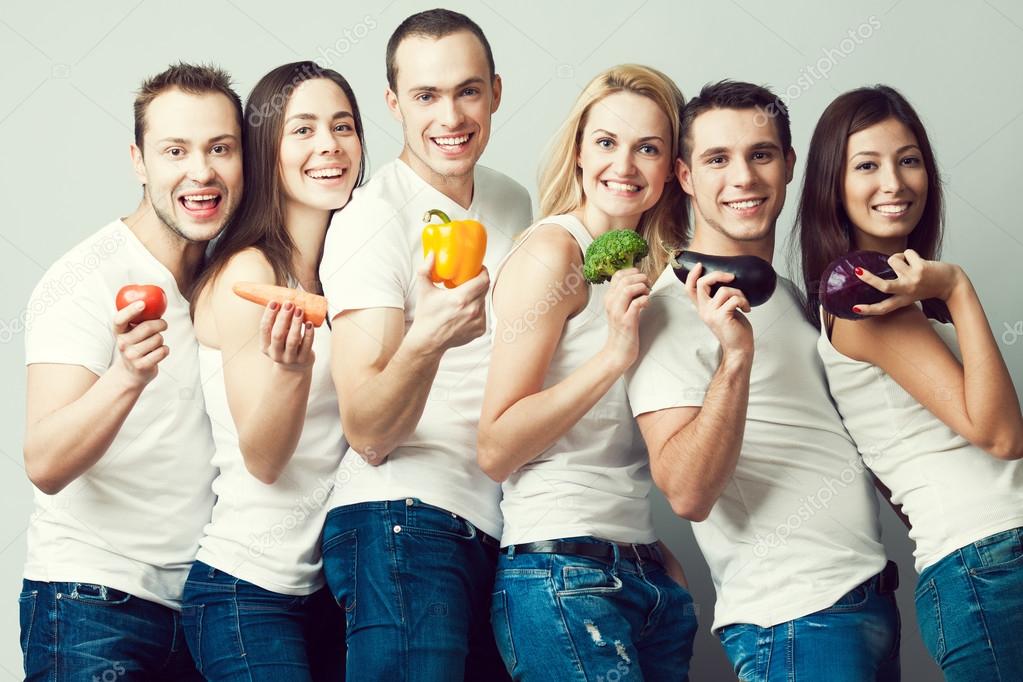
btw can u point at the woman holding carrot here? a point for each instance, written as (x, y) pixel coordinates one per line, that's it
(581, 584)
(255, 606)
(919, 381)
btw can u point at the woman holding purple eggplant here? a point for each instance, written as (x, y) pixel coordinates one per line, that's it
(917, 375)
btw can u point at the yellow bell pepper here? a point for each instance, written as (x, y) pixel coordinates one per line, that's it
(458, 248)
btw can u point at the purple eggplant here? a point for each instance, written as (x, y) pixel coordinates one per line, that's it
(754, 277)
(840, 288)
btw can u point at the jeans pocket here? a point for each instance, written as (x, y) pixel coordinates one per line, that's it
(499, 621)
(928, 613)
(340, 567)
(583, 577)
(999, 552)
(191, 621)
(91, 593)
(27, 617)
(740, 642)
(853, 600)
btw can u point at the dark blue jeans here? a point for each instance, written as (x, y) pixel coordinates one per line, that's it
(970, 609)
(566, 617)
(83, 631)
(415, 583)
(855, 639)
(240, 632)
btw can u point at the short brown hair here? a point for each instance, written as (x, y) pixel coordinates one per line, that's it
(728, 94)
(191, 78)
(436, 24)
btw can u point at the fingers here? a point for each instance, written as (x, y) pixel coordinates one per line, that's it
(884, 307)
(139, 333)
(879, 283)
(266, 324)
(426, 267)
(124, 316)
(476, 287)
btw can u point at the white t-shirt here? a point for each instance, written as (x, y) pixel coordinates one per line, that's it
(796, 527)
(953, 492)
(133, 520)
(371, 255)
(595, 480)
(269, 534)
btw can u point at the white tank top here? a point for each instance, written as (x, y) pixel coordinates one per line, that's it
(953, 492)
(266, 534)
(595, 480)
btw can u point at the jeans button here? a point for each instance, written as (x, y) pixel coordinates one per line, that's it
(409, 502)
(397, 529)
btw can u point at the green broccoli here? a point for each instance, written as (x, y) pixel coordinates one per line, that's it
(611, 252)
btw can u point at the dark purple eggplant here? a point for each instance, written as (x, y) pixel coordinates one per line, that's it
(840, 289)
(754, 277)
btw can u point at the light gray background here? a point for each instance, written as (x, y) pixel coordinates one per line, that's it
(65, 126)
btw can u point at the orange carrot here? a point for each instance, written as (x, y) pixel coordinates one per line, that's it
(313, 306)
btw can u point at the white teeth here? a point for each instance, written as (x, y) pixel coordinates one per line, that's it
(742, 205)
(451, 141)
(892, 209)
(620, 187)
(325, 173)
(200, 197)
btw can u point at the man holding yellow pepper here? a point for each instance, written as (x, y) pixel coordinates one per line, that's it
(409, 545)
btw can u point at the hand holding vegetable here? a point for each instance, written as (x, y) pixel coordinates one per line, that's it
(139, 344)
(753, 276)
(623, 303)
(718, 304)
(611, 252)
(285, 337)
(314, 307)
(154, 297)
(458, 248)
(446, 318)
(916, 279)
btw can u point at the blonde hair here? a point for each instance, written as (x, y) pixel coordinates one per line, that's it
(561, 190)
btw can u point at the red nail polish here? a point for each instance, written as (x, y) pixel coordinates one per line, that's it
(859, 271)
(856, 309)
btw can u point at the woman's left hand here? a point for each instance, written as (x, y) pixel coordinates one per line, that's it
(916, 279)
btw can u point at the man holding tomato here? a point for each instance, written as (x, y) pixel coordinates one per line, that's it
(117, 442)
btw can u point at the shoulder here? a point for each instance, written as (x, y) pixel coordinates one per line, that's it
(549, 252)
(874, 339)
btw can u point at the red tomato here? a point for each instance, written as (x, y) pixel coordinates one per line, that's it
(155, 298)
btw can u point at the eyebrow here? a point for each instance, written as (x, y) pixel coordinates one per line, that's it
(601, 131)
(181, 140)
(312, 117)
(901, 149)
(716, 151)
(433, 88)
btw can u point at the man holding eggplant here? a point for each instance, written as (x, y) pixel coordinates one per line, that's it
(742, 434)
(409, 548)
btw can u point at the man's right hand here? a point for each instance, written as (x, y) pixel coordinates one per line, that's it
(447, 318)
(140, 346)
(721, 312)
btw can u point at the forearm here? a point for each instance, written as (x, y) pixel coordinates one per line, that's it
(269, 434)
(534, 423)
(695, 464)
(988, 391)
(385, 409)
(63, 445)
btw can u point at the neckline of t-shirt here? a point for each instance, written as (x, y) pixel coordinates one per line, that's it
(452, 204)
(153, 260)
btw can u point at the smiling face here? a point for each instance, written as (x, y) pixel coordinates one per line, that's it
(885, 187)
(736, 176)
(192, 166)
(444, 101)
(320, 149)
(625, 159)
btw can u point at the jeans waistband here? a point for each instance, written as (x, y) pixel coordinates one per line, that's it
(403, 505)
(887, 581)
(594, 548)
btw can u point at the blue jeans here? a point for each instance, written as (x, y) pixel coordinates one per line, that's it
(84, 631)
(415, 583)
(574, 618)
(970, 609)
(238, 631)
(855, 639)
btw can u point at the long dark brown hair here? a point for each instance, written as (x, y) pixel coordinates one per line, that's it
(825, 230)
(259, 221)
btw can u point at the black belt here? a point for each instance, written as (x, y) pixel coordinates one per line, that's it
(888, 579)
(605, 551)
(487, 540)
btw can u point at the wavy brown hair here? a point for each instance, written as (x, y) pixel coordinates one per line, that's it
(259, 221)
(825, 230)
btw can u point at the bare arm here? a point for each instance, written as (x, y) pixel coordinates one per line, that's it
(267, 363)
(72, 416)
(694, 450)
(384, 375)
(975, 398)
(520, 419)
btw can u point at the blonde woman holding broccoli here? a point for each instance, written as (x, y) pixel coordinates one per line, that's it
(578, 547)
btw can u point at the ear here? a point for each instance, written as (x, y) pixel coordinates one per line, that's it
(138, 163)
(790, 164)
(496, 89)
(685, 176)
(392, 103)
